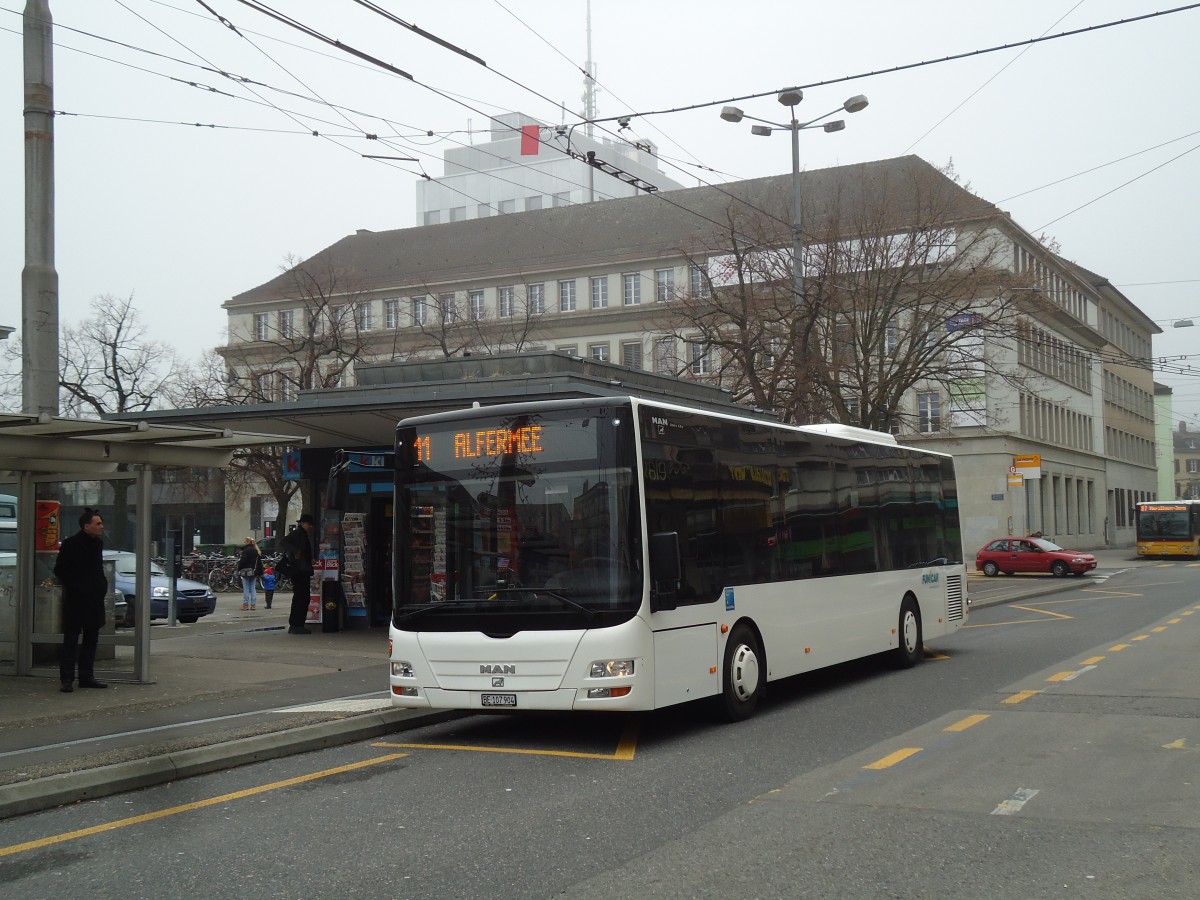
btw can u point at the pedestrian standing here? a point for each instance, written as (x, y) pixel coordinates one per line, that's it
(250, 566)
(80, 570)
(269, 584)
(298, 547)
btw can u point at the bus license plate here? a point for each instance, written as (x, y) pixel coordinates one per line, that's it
(498, 699)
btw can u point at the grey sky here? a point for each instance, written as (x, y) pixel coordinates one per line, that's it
(183, 217)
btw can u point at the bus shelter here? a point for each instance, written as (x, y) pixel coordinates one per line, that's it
(50, 466)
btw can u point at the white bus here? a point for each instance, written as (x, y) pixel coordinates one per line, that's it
(623, 554)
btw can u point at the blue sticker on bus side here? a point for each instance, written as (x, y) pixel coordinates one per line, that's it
(728, 598)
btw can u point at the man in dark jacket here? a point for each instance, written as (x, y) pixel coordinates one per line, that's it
(298, 546)
(80, 570)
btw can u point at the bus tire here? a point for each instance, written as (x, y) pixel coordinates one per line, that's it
(743, 675)
(908, 635)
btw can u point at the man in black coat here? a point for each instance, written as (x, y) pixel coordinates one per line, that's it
(80, 570)
(298, 546)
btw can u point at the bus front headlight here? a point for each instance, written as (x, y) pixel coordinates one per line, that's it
(402, 669)
(612, 668)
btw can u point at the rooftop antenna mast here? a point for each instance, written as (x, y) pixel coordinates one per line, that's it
(589, 79)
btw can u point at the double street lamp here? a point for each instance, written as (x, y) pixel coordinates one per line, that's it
(791, 98)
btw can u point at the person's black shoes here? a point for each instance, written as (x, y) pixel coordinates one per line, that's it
(92, 683)
(66, 687)
(296, 629)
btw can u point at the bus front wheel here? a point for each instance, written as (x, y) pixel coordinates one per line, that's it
(908, 633)
(744, 675)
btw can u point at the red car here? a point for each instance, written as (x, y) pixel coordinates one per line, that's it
(1009, 555)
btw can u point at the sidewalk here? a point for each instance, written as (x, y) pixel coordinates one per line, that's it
(236, 688)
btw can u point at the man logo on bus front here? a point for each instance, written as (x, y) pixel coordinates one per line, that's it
(497, 669)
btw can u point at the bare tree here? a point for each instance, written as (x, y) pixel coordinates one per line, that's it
(452, 327)
(902, 289)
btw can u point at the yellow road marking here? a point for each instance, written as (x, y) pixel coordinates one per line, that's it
(1060, 676)
(1186, 612)
(1117, 648)
(964, 724)
(1141, 637)
(892, 758)
(1091, 660)
(625, 752)
(1159, 628)
(1114, 593)
(1180, 744)
(189, 807)
(1019, 696)
(1174, 621)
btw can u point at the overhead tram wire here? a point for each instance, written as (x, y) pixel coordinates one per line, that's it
(936, 125)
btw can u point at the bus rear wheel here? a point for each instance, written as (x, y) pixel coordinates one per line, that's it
(908, 634)
(743, 676)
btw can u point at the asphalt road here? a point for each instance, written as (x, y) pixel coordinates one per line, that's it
(1069, 770)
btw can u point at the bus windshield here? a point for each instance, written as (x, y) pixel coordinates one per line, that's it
(1163, 522)
(521, 522)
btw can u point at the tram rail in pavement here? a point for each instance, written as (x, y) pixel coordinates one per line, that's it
(236, 688)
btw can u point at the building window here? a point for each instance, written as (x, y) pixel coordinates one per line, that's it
(477, 310)
(891, 339)
(260, 326)
(664, 285)
(534, 202)
(363, 316)
(929, 412)
(447, 307)
(340, 318)
(433, 217)
(631, 354)
(537, 299)
(287, 389)
(700, 284)
(458, 213)
(699, 354)
(391, 313)
(507, 302)
(598, 352)
(563, 199)
(665, 362)
(633, 289)
(506, 206)
(566, 296)
(599, 291)
(420, 309)
(569, 349)
(285, 323)
(483, 210)
(264, 385)
(1193, 466)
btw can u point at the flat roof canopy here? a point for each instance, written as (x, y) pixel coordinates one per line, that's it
(44, 443)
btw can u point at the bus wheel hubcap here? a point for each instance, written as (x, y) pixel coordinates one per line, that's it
(743, 677)
(910, 632)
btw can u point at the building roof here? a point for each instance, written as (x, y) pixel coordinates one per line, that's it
(688, 220)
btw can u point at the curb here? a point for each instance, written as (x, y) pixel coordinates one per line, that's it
(90, 784)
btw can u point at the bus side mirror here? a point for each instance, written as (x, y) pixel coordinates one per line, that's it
(665, 570)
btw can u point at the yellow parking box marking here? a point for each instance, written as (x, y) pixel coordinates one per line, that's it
(964, 724)
(1092, 660)
(189, 807)
(625, 752)
(1019, 696)
(1044, 612)
(893, 758)
(627, 746)
(1060, 676)
(1117, 648)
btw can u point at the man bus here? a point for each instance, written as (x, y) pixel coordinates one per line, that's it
(1168, 528)
(623, 554)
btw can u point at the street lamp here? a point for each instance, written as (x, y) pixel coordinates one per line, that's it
(791, 98)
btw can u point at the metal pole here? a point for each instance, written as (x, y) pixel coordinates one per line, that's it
(797, 235)
(39, 279)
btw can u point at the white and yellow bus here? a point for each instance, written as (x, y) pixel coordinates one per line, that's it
(1167, 528)
(623, 554)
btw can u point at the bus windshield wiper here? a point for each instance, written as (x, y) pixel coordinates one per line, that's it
(428, 607)
(587, 611)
